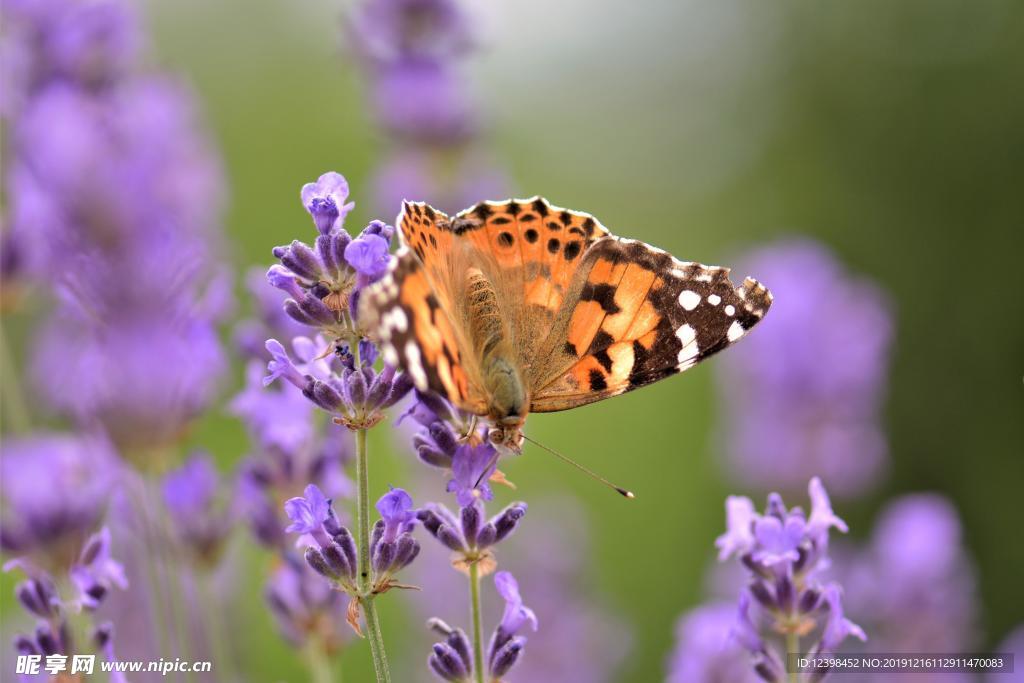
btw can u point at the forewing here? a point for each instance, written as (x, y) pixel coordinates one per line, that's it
(633, 315)
(405, 313)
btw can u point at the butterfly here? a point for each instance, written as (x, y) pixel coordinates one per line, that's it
(518, 307)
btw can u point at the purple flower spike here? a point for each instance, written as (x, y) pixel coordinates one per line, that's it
(472, 466)
(308, 515)
(785, 557)
(96, 571)
(395, 508)
(368, 254)
(516, 614)
(325, 201)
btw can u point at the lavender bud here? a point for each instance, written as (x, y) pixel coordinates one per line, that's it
(316, 560)
(336, 560)
(430, 520)
(486, 537)
(302, 261)
(433, 457)
(291, 307)
(332, 525)
(406, 551)
(316, 310)
(809, 600)
(471, 522)
(348, 546)
(23, 645)
(325, 251)
(443, 436)
(446, 663)
(383, 556)
(506, 522)
(325, 396)
(339, 241)
(48, 643)
(400, 388)
(451, 538)
(762, 594)
(505, 658)
(784, 593)
(355, 386)
(376, 534)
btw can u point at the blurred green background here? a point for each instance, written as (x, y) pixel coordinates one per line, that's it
(891, 131)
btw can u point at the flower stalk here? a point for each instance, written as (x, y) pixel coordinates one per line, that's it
(373, 632)
(478, 629)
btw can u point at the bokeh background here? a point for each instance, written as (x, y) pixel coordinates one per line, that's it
(889, 132)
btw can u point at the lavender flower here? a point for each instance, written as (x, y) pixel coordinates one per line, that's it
(469, 533)
(331, 550)
(56, 489)
(451, 659)
(96, 571)
(92, 576)
(815, 407)
(584, 640)
(201, 521)
(411, 52)
(323, 281)
(916, 588)
(305, 607)
(115, 200)
(785, 554)
(705, 648)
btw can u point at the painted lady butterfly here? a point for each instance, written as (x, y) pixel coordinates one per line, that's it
(519, 306)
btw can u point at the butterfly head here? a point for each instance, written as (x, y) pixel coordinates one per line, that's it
(507, 435)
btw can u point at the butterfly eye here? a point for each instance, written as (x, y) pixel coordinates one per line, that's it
(495, 436)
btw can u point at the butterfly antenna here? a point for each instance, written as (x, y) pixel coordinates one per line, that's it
(625, 493)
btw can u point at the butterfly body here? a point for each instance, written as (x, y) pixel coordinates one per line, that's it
(520, 306)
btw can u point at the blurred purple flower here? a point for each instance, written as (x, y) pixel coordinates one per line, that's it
(96, 572)
(386, 31)
(448, 184)
(804, 396)
(55, 491)
(199, 517)
(914, 582)
(309, 513)
(305, 607)
(706, 650)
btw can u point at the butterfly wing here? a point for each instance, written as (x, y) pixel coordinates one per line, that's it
(633, 315)
(418, 333)
(530, 250)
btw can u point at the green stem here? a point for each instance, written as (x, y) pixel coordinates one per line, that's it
(215, 629)
(373, 632)
(14, 398)
(478, 631)
(792, 647)
(319, 665)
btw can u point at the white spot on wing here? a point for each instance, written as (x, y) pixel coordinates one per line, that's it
(735, 331)
(390, 355)
(714, 299)
(415, 366)
(730, 310)
(689, 299)
(688, 337)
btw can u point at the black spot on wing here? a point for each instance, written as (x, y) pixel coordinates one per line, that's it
(540, 206)
(604, 359)
(531, 235)
(570, 349)
(597, 380)
(572, 250)
(506, 239)
(603, 294)
(600, 343)
(554, 245)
